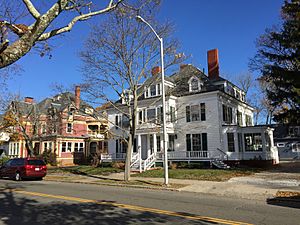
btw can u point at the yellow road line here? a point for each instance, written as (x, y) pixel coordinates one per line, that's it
(136, 208)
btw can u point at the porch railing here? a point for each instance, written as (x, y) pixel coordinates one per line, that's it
(135, 158)
(149, 161)
(184, 155)
(223, 155)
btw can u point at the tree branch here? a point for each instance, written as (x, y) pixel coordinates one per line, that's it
(82, 17)
(32, 10)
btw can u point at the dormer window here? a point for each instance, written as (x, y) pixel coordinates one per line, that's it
(153, 90)
(194, 84)
(71, 111)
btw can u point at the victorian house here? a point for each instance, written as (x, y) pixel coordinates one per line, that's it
(207, 117)
(63, 124)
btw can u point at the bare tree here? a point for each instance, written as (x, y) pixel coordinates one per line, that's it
(245, 81)
(118, 57)
(17, 39)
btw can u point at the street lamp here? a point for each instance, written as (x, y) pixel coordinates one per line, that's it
(165, 149)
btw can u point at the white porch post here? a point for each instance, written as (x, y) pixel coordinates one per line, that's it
(148, 145)
(154, 144)
(139, 147)
(263, 140)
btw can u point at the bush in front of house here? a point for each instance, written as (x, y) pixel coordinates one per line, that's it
(3, 160)
(49, 157)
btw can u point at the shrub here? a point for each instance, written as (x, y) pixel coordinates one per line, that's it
(118, 165)
(173, 166)
(49, 157)
(3, 160)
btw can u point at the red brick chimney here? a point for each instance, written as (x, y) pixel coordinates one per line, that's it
(28, 100)
(156, 70)
(182, 66)
(213, 64)
(77, 97)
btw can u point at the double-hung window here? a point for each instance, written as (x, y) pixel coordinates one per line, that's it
(227, 114)
(172, 114)
(230, 142)
(151, 115)
(195, 112)
(69, 127)
(153, 90)
(78, 147)
(196, 142)
(66, 146)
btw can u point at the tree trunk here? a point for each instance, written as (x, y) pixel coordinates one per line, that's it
(128, 160)
(29, 147)
(133, 122)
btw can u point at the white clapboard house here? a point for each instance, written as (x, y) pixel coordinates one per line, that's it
(207, 120)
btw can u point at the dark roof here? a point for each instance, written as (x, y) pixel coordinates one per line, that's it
(180, 81)
(59, 102)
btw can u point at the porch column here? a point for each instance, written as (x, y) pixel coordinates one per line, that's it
(139, 143)
(154, 144)
(263, 140)
(139, 149)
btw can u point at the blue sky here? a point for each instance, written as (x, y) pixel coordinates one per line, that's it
(232, 26)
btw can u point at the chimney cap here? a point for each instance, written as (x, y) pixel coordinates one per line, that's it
(156, 70)
(28, 99)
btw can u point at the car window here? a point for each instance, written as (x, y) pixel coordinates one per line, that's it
(36, 162)
(20, 162)
(8, 163)
(14, 162)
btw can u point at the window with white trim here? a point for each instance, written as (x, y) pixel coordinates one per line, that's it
(230, 142)
(195, 112)
(172, 114)
(153, 90)
(227, 114)
(48, 146)
(66, 146)
(253, 142)
(14, 148)
(194, 84)
(78, 147)
(248, 119)
(196, 142)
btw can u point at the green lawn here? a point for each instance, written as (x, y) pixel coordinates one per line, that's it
(84, 170)
(200, 174)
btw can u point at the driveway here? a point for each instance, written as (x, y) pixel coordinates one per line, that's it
(284, 175)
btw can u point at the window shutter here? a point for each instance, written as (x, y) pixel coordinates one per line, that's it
(188, 113)
(204, 142)
(188, 142)
(202, 107)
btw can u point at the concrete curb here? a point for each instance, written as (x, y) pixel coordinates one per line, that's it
(115, 185)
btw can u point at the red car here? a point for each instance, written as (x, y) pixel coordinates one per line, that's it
(19, 168)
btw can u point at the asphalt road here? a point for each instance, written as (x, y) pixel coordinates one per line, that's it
(45, 202)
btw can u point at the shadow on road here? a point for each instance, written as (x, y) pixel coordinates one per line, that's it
(286, 167)
(17, 209)
(292, 202)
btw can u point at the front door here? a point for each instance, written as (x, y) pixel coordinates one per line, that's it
(144, 149)
(93, 148)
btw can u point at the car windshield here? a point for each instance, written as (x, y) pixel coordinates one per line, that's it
(36, 162)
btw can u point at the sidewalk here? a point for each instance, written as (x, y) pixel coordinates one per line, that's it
(261, 186)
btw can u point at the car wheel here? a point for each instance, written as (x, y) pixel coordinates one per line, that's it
(17, 176)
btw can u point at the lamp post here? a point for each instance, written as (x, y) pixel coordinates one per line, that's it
(165, 149)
